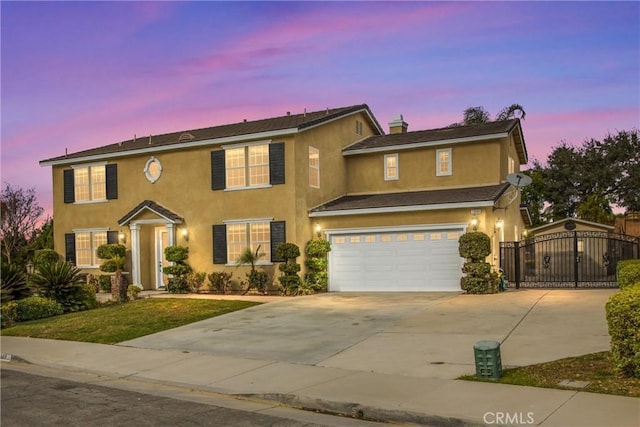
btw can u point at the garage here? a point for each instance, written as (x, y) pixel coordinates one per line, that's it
(398, 261)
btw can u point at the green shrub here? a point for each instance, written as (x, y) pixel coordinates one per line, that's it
(628, 272)
(289, 279)
(195, 281)
(623, 319)
(176, 253)
(36, 307)
(317, 278)
(317, 248)
(287, 251)
(477, 269)
(13, 283)
(257, 279)
(105, 282)
(219, 281)
(111, 250)
(8, 313)
(43, 256)
(179, 270)
(474, 246)
(133, 291)
(63, 282)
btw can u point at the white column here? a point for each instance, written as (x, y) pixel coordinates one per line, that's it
(171, 230)
(135, 253)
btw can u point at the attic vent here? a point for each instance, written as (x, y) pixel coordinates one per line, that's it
(186, 136)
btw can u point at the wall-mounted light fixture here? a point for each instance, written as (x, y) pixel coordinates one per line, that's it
(318, 230)
(122, 238)
(499, 225)
(474, 219)
(185, 234)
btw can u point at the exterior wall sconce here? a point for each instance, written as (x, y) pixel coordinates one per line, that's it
(318, 230)
(30, 267)
(499, 225)
(474, 223)
(185, 234)
(122, 238)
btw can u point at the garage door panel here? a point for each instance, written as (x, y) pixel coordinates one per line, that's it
(404, 261)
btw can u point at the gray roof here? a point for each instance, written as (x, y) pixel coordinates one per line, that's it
(289, 121)
(154, 207)
(489, 193)
(376, 143)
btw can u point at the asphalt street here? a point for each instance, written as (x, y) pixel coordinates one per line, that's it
(36, 400)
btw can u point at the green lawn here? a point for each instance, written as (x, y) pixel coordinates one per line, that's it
(121, 322)
(594, 368)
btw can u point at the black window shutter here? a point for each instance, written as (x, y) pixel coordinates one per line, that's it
(111, 172)
(276, 163)
(217, 170)
(112, 237)
(69, 186)
(220, 244)
(278, 235)
(70, 247)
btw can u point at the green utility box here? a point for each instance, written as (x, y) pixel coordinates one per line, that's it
(488, 360)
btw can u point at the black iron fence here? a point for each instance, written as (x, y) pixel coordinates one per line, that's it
(567, 259)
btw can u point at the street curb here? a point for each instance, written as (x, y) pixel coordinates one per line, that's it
(359, 411)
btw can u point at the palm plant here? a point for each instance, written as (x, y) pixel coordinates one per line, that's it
(476, 115)
(13, 283)
(62, 282)
(256, 279)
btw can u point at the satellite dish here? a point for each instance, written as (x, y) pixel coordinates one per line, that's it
(518, 179)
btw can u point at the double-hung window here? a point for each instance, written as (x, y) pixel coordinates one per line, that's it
(314, 167)
(443, 162)
(87, 242)
(247, 166)
(391, 167)
(252, 235)
(90, 183)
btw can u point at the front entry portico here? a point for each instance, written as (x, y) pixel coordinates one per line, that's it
(153, 228)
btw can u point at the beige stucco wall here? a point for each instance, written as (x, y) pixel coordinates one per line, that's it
(473, 164)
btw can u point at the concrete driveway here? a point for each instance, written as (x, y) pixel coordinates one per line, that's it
(428, 335)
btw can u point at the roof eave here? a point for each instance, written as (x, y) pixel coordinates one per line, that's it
(394, 209)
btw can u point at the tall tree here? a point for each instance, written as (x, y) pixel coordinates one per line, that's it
(20, 216)
(533, 195)
(476, 115)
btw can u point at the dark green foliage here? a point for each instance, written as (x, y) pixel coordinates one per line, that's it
(623, 319)
(31, 308)
(255, 279)
(220, 281)
(13, 281)
(43, 256)
(628, 273)
(63, 282)
(105, 282)
(475, 246)
(179, 270)
(195, 281)
(114, 254)
(289, 280)
(316, 279)
(176, 254)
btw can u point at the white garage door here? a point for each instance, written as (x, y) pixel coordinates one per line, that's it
(395, 262)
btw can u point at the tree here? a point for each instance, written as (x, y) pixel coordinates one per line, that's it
(20, 215)
(533, 195)
(595, 208)
(476, 115)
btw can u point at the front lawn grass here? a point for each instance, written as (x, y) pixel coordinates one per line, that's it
(121, 322)
(596, 369)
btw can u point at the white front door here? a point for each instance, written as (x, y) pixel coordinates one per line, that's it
(162, 241)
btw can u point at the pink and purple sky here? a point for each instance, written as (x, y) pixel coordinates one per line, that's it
(78, 75)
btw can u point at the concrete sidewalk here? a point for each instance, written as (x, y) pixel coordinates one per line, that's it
(400, 398)
(379, 356)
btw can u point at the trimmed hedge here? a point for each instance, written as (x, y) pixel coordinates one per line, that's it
(31, 308)
(623, 319)
(628, 272)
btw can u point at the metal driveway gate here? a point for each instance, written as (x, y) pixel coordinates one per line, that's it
(567, 259)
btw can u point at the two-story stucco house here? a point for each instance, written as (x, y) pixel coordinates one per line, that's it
(393, 206)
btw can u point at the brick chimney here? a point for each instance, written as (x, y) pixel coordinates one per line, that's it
(398, 125)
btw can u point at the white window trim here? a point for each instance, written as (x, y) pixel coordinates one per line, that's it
(248, 221)
(89, 166)
(449, 172)
(91, 231)
(152, 179)
(387, 177)
(313, 168)
(246, 165)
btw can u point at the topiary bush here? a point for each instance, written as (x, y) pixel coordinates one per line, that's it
(623, 319)
(179, 270)
(290, 280)
(628, 272)
(475, 247)
(115, 256)
(317, 278)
